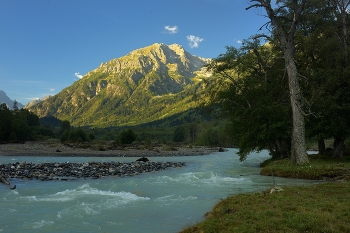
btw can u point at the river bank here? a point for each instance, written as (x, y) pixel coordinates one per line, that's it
(76, 150)
(318, 208)
(315, 208)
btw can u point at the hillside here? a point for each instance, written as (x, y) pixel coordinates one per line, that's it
(146, 85)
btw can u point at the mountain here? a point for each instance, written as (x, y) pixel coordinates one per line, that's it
(146, 85)
(5, 99)
(34, 102)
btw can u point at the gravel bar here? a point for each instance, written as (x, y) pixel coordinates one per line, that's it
(72, 171)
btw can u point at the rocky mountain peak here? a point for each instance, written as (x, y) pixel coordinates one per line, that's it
(146, 84)
(178, 49)
(157, 56)
(36, 101)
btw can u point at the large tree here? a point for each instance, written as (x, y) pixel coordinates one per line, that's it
(249, 86)
(284, 21)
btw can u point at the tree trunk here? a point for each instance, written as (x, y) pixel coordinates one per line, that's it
(279, 149)
(338, 147)
(321, 146)
(298, 153)
(285, 37)
(271, 150)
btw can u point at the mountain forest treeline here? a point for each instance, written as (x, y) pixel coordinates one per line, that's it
(20, 125)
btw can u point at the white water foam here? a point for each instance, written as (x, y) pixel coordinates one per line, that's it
(85, 191)
(50, 198)
(89, 210)
(174, 198)
(42, 223)
(200, 178)
(15, 192)
(12, 192)
(92, 201)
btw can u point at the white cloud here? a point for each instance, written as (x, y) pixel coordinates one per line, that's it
(194, 41)
(32, 98)
(171, 29)
(238, 41)
(78, 75)
(52, 89)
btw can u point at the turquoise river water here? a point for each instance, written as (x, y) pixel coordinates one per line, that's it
(165, 201)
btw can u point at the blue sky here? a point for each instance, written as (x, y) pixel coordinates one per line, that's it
(46, 44)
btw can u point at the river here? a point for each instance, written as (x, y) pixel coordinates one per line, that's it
(165, 201)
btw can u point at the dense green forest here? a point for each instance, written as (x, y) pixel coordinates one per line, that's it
(20, 125)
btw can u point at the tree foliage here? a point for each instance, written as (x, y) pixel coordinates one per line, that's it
(252, 84)
(71, 134)
(19, 125)
(179, 134)
(250, 88)
(325, 58)
(127, 136)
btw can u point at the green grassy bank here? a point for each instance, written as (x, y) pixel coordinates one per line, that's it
(318, 208)
(320, 168)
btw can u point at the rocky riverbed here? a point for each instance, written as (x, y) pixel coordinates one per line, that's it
(94, 170)
(71, 171)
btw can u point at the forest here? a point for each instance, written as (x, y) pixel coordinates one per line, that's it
(289, 84)
(20, 125)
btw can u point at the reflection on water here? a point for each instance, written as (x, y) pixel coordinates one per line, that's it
(165, 201)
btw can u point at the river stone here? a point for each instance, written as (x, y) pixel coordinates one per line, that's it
(69, 171)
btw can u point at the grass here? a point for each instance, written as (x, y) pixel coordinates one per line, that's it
(317, 208)
(319, 168)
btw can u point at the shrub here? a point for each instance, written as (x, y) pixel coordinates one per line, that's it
(64, 135)
(127, 136)
(179, 134)
(91, 136)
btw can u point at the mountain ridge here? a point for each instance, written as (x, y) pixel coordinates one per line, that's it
(145, 85)
(5, 99)
(34, 102)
